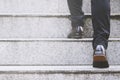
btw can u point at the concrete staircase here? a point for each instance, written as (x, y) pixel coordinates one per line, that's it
(33, 43)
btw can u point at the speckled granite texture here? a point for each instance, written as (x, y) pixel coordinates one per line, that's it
(53, 52)
(46, 19)
(114, 76)
(45, 6)
(43, 27)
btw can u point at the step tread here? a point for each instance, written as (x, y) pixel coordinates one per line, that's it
(58, 69)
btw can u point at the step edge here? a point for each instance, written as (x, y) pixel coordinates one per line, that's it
(57, 69)
(44, 14)
(51, 39)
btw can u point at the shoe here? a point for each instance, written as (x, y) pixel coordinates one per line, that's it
(99, 57)
(76, 32)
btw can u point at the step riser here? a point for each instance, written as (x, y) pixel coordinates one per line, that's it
(56, 76)
(46, 6)
(53, 53)
(49, 27)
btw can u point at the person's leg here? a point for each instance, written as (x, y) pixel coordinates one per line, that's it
(101, 22)
(101, 26)
(77, 15)
(75, 7)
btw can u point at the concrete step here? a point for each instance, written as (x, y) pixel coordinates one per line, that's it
(53, 51)
(47, 27)
(58, 73)
(46, 6)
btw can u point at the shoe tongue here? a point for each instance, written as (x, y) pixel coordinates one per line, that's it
(100, 48)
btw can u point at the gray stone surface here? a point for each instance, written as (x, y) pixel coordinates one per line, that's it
(58, 73)
(46, 27)
(33, 27)
(53, 52)
(60, 76)
(45, 6)
(66, 74)
(114, 76)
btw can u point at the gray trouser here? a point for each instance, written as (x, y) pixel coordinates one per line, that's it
(100, 19)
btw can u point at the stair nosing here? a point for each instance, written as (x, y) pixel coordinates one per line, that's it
(44, 14)
(58, 69)
(52, 39)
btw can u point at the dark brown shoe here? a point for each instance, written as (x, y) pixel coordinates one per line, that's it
(76, 32)
(99, 58)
